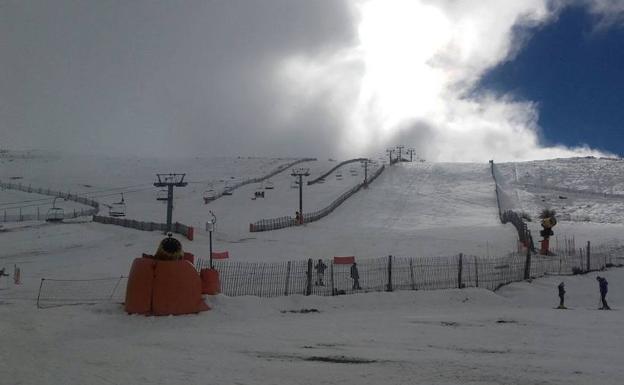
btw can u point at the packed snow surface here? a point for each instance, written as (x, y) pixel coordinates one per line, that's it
(470, 336)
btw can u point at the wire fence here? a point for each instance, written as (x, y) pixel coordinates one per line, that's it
(286, 221)
(178, 228)
(63, 292)
(323, 176)
(391, 273)
(260, 179)
(19, 216)
(403, 273)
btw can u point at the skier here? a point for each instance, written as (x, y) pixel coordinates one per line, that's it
(602, 282)
(561, 288)
(355, 275)
(320, 272)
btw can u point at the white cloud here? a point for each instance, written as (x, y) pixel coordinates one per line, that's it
(420, 61)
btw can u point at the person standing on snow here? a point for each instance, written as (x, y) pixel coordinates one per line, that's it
(355, 275)
(602, 282)
(320, 272)
(561, 288)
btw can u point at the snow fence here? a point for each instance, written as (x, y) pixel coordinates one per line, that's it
(403, 273)
(276, 171)
(283, 222)
(300, 277)
(178, 228)
(323, 176)
(18, 216)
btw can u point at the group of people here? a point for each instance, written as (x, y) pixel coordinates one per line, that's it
(602, 284)
(320, 268)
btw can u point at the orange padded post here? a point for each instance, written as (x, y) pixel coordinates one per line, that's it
(210, 281)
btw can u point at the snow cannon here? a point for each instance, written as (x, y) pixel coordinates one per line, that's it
(548, 222)
(166, 283)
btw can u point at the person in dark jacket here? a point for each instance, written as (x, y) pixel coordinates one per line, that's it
(561, 288)
(355, 275)
(320, 272)
(604, 287)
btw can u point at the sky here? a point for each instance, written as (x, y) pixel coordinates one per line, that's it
(457, 80)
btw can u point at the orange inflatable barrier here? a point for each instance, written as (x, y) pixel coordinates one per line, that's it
(163, 288)
(210, 281)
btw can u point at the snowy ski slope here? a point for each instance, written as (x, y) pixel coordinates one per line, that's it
(442, 337)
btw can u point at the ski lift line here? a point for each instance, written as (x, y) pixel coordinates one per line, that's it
(47, 201)
(77, 194)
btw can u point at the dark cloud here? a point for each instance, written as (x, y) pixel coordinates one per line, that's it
(157, 76)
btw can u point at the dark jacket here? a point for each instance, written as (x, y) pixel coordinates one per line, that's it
(603, 285)
(320, 267)
(354, 272)
(561, 289)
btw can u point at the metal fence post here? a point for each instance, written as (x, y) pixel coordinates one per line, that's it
(309, 278)
(476, 271)
(459, 271)
(527, 265)
(588, 256)
(331, 276)
(389, 286)
(287, 278)
(411, 264)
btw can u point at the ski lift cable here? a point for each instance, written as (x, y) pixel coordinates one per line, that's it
(83, 193)
(48, 201)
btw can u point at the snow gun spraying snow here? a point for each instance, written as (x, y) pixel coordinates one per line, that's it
(548, 222)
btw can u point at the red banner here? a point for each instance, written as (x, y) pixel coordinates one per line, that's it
(220, 255)
(344, 260)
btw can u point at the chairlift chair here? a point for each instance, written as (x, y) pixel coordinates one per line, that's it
(209, 195)
(228, 188)
(269, 185)
(118, 209)
(294, 184)
(55, 214)
(163, 195)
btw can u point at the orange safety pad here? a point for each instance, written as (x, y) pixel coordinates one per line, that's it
(344, 260)
(139, 288)
(177, 289)
(210, 281)
(220, 255)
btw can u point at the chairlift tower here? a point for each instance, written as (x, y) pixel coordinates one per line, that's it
(365, 164)
(400, 148)
(390, 151)
(170, 181)
(300, 172)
